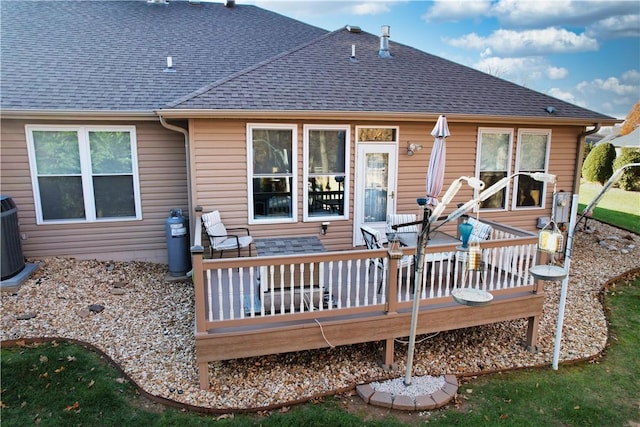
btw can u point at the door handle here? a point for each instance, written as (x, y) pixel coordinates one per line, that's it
(393, 195)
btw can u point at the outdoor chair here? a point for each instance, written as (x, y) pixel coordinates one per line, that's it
(372, 240)
(220, 238)
(395, 219)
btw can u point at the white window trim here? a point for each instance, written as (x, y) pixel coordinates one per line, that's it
(543, 196)
(509, 163)
(86, 172)
(305, 178)
(294, 172)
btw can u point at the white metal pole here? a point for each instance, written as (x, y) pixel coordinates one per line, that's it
(565, 281)
(417, 290)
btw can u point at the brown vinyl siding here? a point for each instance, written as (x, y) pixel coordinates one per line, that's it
(218, 150)
(163, 185)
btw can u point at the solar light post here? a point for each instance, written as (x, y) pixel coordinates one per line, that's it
(569, 249)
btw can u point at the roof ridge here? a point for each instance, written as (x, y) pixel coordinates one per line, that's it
(247, 70)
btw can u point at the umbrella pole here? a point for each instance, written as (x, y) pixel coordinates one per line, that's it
(417, 290)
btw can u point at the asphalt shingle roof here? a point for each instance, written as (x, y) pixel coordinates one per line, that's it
(321, 76)
(110, 55)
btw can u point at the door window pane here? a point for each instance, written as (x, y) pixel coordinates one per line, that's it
(377, 134)
(375, 187)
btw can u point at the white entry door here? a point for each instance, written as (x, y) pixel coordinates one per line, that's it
(375, 187)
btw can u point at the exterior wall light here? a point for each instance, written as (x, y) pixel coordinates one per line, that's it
(412, 148)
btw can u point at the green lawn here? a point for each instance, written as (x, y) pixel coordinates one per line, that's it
(617, 207)
(64, 384)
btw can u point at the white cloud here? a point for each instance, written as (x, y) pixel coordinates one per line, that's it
(456, 10)
(544, 13)
(530, 71)
(615, 95)
(306, 9)
(557, 73)
(370, 8)
(528, 42)
(565, 96)
(631, 76)
(616, 27)
(610, 84)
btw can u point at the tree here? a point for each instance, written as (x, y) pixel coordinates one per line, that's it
(632, 121)
(630, 179)
(598, 166)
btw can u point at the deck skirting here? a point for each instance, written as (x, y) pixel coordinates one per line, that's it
(436, 316)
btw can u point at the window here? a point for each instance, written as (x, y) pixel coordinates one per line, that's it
(84, 174)
(379, 134)
(494, 162)
(532, 156)
(326, 162)
(272, 183)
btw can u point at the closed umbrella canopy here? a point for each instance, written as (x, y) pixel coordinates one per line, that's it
(435, 174)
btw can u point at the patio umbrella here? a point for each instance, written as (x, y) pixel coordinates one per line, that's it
(435, 174)
(435, 180)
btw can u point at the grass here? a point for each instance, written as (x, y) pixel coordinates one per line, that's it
(617, 207)
(605, 392)
(64, 384)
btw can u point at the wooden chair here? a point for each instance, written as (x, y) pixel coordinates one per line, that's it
(220, 238)
(371, 238)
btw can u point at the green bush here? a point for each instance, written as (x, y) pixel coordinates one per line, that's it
(598, 166)
(630, 179)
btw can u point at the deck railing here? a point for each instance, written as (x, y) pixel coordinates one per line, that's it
(259, 291)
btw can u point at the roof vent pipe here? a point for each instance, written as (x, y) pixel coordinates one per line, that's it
(169, 68)
(229, 3)
(384, 42)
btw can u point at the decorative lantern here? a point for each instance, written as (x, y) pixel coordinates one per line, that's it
(465, 230)
(475, 257)
(394, 248)
(550, 239)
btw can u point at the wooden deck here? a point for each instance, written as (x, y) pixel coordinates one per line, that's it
(328, 299)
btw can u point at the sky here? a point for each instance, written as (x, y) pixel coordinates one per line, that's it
(583, 52)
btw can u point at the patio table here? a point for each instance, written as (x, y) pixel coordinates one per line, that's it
(288, 245)
(274, 246)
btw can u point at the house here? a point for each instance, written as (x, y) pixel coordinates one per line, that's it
(113, 113)
(183, 91)
(72, 72)
(630, 140)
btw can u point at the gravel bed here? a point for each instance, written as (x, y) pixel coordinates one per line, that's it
(420, 386)
(146, 326)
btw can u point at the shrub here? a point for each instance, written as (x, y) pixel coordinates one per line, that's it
(630, 179)
(598, 166)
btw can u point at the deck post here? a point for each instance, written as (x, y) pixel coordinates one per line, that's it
(203, 374)
(387, 354)
(532, 333)
(197, 251)
(392, 281)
